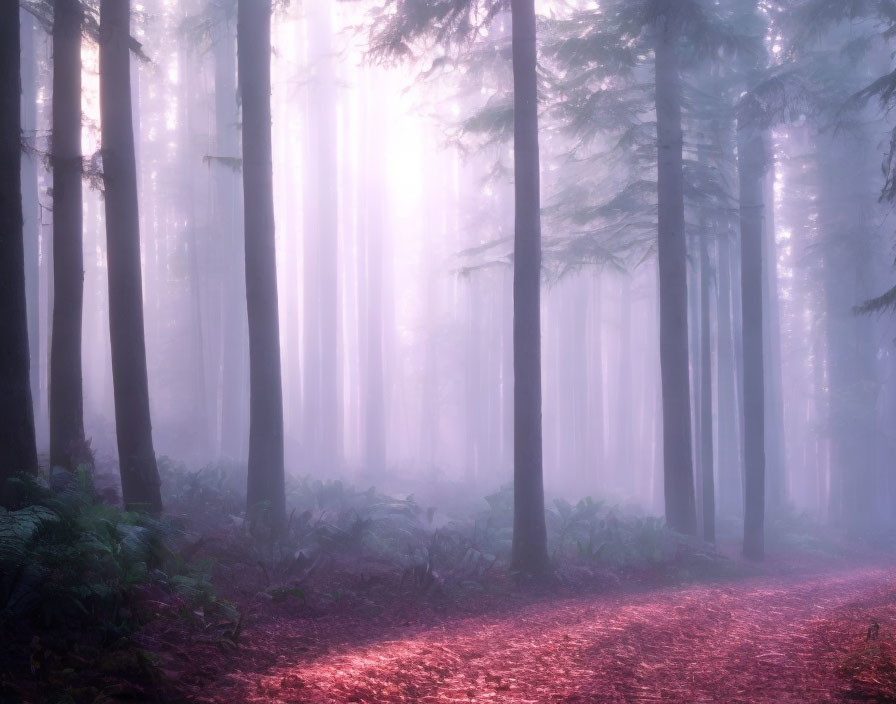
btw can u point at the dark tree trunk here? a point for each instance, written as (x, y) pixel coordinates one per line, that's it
(751, 167)
(265, 487)
(706, 448)
(17, 446)
(678, 472)
(529, 532)
(139, 474)
(68, 448)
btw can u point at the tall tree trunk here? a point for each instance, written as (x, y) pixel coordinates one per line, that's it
(677, 454)
(137, 460)
(322, 324)
(265, 487)
(774, 422)
(229, 209)
(596, 383)
(728, 453)
(373, 233)
(751, 165)
(18, 452)
(529, 532)
(68, 447)
(706, 429)
(30, 204)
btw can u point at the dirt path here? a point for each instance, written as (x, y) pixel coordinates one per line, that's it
(760, 640)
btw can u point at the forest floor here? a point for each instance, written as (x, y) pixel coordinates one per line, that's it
(802, 636)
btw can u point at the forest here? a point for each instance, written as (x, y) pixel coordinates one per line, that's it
(447, 351)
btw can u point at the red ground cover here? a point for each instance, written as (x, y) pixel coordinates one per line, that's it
(765, 639)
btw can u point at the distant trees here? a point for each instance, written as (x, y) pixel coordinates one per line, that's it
(139, 473)
(529, 533)
(18, 451)
(265, 488)
(68, 447)
(321, 384)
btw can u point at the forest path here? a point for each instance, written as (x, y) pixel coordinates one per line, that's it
(768, 639)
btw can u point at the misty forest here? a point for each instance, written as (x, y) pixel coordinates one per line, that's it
(447, 351)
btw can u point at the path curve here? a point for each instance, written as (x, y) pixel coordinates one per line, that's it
(758, 640)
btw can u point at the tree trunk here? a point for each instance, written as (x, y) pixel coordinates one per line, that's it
(373, 232)
(229, 209)
(751, 166)
(322, 324)
(706, 429)
(596, 414)
(265, 488)
(136, 456)
(677, 454)
(30, 204)
(529, 532)
(776, 468)
(17, 446)
(68, 447)
(728, 453)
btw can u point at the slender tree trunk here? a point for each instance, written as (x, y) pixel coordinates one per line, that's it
(706, 439)
(730, 479)
(374, 232)
(18, 452)
(266, 472)
(136, 456)
(30, 204)
(596, 383)
(774, 423)
(229, 209)
(68, 447)
(625, 409)
(321, 326)
(677, 454)
(529, 532)
(751, 165)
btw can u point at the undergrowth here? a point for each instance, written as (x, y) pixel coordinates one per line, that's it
(77, 578)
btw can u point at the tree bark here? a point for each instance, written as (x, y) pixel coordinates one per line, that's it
(677, 452)
(751, 166)
(265, 487)
(529, 532)
(18, 452)
(68, 447)
(139, 474)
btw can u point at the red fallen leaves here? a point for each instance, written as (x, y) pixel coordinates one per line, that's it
(764, 640)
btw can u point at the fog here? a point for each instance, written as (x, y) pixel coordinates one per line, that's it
(394, 216)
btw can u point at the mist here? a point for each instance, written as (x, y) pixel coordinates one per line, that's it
(601, 291)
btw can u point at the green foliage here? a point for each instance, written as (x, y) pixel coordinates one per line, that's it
(68, 561)
(68, 558)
